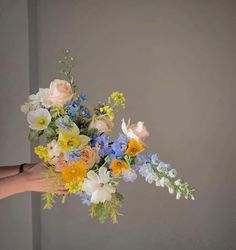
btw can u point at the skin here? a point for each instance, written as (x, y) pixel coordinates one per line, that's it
(32, 179)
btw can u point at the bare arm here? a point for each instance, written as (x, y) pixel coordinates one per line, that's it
(32, 179)
(12, 170)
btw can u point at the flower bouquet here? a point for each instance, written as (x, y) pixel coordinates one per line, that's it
(79, 148)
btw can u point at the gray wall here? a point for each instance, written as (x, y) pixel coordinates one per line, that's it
(15, 211)
(175, 61)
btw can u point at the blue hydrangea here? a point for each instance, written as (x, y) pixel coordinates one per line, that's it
(86, 199)
(129, 175)
(73, 155)
(64, 122)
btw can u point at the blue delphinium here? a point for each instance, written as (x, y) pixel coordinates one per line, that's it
(119, 146)
(73, 155)
(129, 175)
(101, 142)
(86, 199)
(64, 122)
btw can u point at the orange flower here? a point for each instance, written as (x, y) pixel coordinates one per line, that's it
(74, 172)
(118, 166)
(134, 147)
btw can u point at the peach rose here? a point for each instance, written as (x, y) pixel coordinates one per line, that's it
(103, 125)
(60, 92)
(136, 131)
(89, 156)
(59, 163)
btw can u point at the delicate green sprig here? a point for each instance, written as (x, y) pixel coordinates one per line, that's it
(102, 211)
(67, 62)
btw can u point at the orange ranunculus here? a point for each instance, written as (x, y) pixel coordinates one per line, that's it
(118, 166)
(134, 147)
(76, 171)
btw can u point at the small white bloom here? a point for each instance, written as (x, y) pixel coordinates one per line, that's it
(97, 185)
(164, 181)
(171, 190)
(39, 119)
(54, 149)
(42, 95)
(178, 195)
(178, 182)
(172, 173)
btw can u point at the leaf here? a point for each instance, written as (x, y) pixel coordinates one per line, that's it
(33, 135)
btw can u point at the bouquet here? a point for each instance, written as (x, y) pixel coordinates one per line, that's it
(79, 151)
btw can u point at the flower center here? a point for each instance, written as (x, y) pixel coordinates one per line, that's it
(70, 143)
(101, 184)
(119, 164)
(73, 171)
(41, 121)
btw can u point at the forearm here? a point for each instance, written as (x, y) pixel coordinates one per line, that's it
(12, 185)
(8, 171)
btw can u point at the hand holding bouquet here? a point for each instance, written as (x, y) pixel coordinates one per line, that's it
(79, 148)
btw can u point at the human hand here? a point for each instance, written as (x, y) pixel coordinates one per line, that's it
(35, 180)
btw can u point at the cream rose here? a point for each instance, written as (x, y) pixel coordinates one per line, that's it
(89, 156)
(103, 125)
(136, 131)
(60, 92)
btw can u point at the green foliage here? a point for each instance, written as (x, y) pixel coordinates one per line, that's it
(34, 135)
(50, 133)
(102, 211)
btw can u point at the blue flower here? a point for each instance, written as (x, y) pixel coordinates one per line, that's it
(102, 143)
(73, 109)
(73, 155)
(83, 97)
(155, 159)
(163, 167)
(64, 122)
(119, 146)
(86, 199)
(85, 112)
(129, 175)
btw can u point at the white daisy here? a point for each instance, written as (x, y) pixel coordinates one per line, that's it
(54, 149)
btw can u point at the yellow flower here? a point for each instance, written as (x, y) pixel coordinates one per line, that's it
(108, 111)
(75, 172)
(118, 99)
(42, 152)
(69, 138)
(134, 147)
(57, 110)
(118, 166)
(74, 187)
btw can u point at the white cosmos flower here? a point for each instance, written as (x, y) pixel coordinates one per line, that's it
(39, 119)
(97, 185)
(54, 149)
